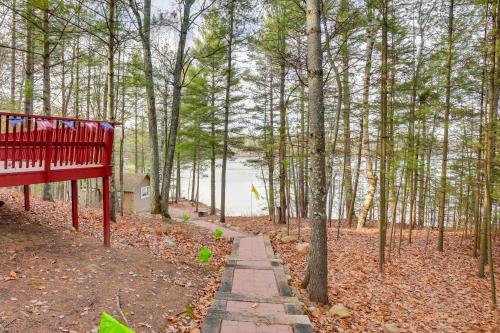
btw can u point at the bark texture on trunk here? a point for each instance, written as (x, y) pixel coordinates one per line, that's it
(30, 62)
(489, 144)
(490, 141)
(13, 44)
(318, 263)
(176, 103)
(110, 105)
(227, 106)
(270, 151)
(444, 161)
(383, 143)
(47, 188)
(346, 103)
(144, 26)
(371, 177)
(213, 155)
(282, 148)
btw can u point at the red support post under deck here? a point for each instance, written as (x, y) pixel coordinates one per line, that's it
(74, 203)
(26, 197)
(106, 211)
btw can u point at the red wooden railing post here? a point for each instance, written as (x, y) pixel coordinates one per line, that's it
(48, 154)
(106, 161)
(26, 197)
(74, 203)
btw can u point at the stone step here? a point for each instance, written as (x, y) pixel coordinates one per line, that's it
(214, 321)
(254, 295)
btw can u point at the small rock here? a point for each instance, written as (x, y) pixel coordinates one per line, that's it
(303, 247)
(169, 241)
(391, 328)
(312, 309)
(288, 239)
(340, 310)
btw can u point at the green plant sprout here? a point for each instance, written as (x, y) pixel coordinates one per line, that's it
(186, 217)
(205, 254)
(109, 324)
(218, 233)
(188, 311)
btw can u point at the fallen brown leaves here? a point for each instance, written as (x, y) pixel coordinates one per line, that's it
(432, 292)
(175, 243)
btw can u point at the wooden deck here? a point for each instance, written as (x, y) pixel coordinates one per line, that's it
(39, 149)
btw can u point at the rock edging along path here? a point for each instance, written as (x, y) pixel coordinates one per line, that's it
(254, 296)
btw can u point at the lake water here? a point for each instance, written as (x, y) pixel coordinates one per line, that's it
(240, 175)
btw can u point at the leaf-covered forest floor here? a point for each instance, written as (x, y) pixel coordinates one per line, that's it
(422, 290)
(53, 279)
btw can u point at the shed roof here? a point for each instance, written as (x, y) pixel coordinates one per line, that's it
(130, 181)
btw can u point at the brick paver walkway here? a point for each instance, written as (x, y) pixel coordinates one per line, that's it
(254, 296)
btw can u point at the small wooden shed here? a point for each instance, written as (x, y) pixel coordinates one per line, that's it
(136, 192)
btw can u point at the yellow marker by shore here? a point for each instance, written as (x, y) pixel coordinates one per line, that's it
(254, 191)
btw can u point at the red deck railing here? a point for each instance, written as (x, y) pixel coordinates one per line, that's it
(40, 149)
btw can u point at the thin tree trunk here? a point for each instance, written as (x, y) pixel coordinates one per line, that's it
(350, 212)
(317, 272)
(176, 103)
(198, 187)
(213, 156)
(193, 186)
(110, 105)
(338, 111)
(88, 183)
(478, 176)
(371, 177)
(13, 44)
(383, 139)
(178, 178)
(489, 149)
(47, 188)
(145, 33)
(489, 142)
(443, 180)
(30, 61)
(282, 148)
(346, 96)
(270, 151)
(302, 150)
(227, 105)
(122, 139)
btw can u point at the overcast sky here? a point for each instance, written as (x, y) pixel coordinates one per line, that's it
(161, 5)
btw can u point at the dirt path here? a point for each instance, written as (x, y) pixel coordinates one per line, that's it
(226, 232)
(53, 279)
(254, 296)
(177, 212)
(59, 281)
